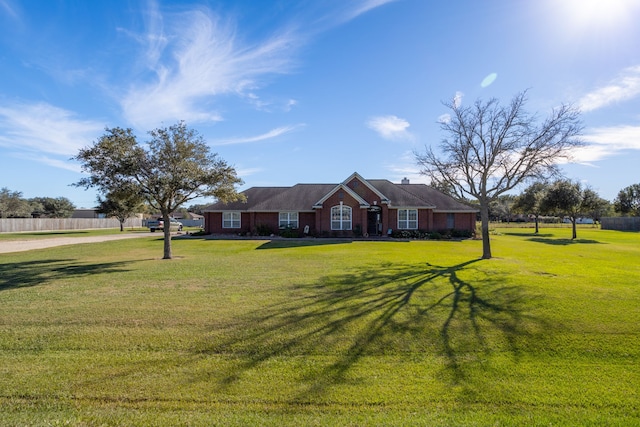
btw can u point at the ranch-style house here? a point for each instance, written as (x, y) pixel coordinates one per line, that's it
(355, 207)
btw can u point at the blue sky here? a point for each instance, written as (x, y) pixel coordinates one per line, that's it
(308, 91)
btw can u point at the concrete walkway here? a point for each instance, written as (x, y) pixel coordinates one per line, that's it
(27, 245)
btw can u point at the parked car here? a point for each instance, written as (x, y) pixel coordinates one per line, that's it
(158, 224)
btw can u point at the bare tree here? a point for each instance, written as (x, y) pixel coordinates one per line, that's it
(490, 149)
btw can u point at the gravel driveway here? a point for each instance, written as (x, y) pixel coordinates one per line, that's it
(27, 245)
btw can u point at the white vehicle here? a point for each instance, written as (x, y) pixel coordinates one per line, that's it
(567, 220)
(158, 224)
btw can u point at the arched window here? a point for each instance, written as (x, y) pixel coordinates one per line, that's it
(341, 218)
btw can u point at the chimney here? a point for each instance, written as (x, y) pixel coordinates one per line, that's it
(405, 180)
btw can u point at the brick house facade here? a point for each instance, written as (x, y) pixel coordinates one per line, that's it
(354, 207)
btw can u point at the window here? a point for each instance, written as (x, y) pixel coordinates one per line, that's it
(230, 219)
(288, 220)
(341, 218)
(408, 219)
(451, 220)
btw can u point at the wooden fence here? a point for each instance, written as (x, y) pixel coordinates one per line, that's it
(16, 225)
(623, 223)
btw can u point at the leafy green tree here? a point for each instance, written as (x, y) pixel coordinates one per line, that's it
(593, 205)
(568, 198)
(50, 207)
(12, 205)
(628, 201)
(121, 203)
(502, 207)
(529, 202)
(174, 167)
(491, 149)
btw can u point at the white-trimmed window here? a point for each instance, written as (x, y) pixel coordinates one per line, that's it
(288, 220)
(341, 218)
(407, 219)
(230, 219)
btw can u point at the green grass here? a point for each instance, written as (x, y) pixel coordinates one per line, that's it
(323, 333)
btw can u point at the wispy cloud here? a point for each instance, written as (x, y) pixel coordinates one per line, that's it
(605, 142)
(9, 10)
(626, 86)
(273, 133)
(390, 127)
(196, 56)
(405, 166)
(199, 57)
(43, 128)
(358, 8)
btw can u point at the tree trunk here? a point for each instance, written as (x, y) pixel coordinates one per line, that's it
(573, 224)
(536, 220)
(484, 218)
(121, 226)
(166, 227)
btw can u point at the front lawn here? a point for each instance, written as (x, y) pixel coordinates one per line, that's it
(321, 332)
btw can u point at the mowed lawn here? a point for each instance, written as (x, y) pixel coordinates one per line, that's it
(320, 332)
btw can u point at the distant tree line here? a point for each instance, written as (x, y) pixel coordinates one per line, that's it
(562, 199)
(13, 205)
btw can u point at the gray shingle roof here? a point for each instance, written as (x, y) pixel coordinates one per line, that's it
(302, 197)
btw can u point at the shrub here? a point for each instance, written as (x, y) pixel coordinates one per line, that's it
(289, 233)
(263, 230)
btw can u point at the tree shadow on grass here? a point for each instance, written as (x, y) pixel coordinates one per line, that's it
(458, 313)
(33, 273)
(520, 234)
(563, 242)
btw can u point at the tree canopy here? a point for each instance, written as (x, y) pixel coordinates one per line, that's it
(530, 201)
(627, 201)
(121, 203)
(490, 149)
(565, 197)
(13, 205)
(53, 207)
(172, 168)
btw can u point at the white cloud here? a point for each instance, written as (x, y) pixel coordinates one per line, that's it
(444, 118)
(606, 142)
(44, 128)
(196, 56)
(390, 127)
(201, 57)
(405, 167)
(626, 86)
(273, 133)
(358, 8)
(457, 99)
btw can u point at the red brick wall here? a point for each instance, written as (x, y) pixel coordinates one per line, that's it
(324, 223)
(462, 221)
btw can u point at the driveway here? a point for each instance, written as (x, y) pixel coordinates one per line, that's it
(27, 245)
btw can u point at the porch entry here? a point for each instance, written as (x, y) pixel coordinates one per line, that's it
(374, 221)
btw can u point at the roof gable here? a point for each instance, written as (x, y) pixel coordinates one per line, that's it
(356, 176)
(363, 203)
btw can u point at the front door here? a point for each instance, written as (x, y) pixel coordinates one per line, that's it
(374, 221)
